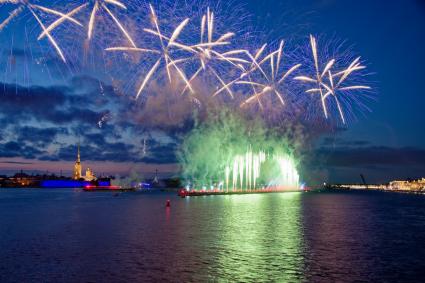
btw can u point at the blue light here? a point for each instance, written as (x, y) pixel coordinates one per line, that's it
(70, 184)
(104, 183)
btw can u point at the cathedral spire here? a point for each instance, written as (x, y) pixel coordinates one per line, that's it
(78, 153)
(77, 165)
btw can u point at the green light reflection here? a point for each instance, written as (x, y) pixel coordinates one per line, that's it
(262, 238)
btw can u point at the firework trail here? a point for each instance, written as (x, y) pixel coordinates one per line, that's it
(334, 88)
(318, 74)
(216, 50)
(206, 54)
(144, 147)
(273, 79)
(205, 63)
(98, 7)
(328, 84)
(32, 8)
(166, 44)
(59, 21)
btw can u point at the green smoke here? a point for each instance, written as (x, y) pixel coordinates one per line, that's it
(235, 152)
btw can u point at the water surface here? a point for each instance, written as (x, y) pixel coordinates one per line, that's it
(67, 236)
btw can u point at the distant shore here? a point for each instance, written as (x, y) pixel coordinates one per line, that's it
(406, 191)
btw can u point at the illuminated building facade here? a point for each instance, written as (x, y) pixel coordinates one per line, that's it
(415, 185)
(404, 186)
(90, 176)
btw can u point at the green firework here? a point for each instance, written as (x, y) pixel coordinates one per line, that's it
(230, 152)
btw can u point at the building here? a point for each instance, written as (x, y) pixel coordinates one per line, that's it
(89, 176)
(77, 165)
(23, 180)
(414, 185)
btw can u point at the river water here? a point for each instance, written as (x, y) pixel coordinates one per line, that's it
(68, 236)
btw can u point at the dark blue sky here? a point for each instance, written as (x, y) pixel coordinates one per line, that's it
(390, 35)
(388, 143)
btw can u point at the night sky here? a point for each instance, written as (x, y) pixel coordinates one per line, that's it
(45, 109)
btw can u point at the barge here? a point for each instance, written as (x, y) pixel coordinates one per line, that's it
(189, 193)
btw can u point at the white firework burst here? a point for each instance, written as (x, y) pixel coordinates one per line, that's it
(271, 81)
(329, 85)
(96, 7)
(166, 44)
(205, 52)
(23, 5)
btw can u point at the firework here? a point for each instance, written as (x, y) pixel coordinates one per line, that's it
(206, 54)
(246, 171)
(334, 88)
(334, 83)
(245, 71)
(98, 7)
(272, 80)
(32, 8)
(166, 44)
(59, 21)
(231, 154)
(215, 49)
(244, 150)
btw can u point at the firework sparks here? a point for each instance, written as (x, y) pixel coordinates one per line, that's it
(166, 44)
(59, 21)
(334, 83)
(11, 16)
(103, 120)
(205, 53)
(333, 88)
(245, 71)
(25, 4)
(144, 147)
(273, 80)
(319, 75)
(98, 6)
(102, 5)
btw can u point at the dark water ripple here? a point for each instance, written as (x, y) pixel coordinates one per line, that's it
(67, 236)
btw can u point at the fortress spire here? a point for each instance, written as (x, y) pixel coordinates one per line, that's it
(78, 153)
(77, 165)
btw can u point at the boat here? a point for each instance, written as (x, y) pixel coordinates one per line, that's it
(187, 193)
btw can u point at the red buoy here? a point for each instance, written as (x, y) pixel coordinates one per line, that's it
(168, 204)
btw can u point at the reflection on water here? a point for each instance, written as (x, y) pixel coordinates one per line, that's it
(67, 236)
(260, 238)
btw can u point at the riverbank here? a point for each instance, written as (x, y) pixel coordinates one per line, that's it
(418, 191)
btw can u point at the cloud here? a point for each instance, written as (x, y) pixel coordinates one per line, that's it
(372, 156)
(14, 149)
(99, 147)
(55, 104)
(345, 162)
(162, 154)
(16, 162)
(39, 136)
(329, 141)
(45, 123)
